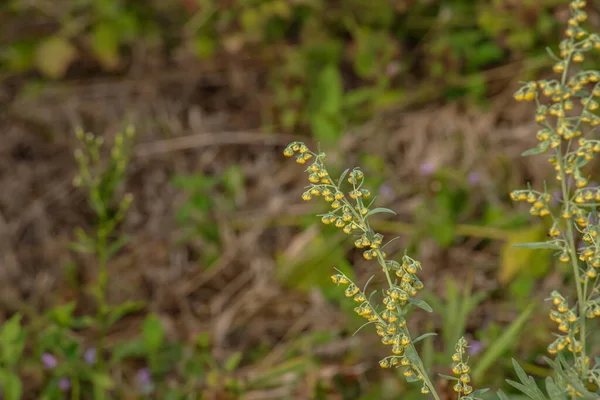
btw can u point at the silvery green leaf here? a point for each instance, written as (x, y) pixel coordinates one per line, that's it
(420, 303)
(528, 386)
(554, 391)
(551, 54)
(423, 336)
(541, 148)
(502, 396)
(450, 378)
(343, 176)
(379, 210)
(412, 378)
(412, 355)
(582, 93)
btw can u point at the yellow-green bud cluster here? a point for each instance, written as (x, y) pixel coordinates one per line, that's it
(590, 252)
(300, 150)
(365, 309)
(566, 318)
(527, 92)
(592, 309)
(371, 241)
(390, 335)
(539, 201)
(578, 16)
(461, 369)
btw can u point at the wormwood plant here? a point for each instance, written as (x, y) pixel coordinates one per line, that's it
(101, 180)
(561, 137)
(350, 211)
(567, 122)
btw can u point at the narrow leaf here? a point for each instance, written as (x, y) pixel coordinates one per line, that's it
(448, 377)
(541, 148)
(501, 395)
(420, 303)
(379, 210)
(342, 176)
(423, 336)
(553, 391)
(233, 361)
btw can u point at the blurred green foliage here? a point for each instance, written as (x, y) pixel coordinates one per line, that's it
(328, 63)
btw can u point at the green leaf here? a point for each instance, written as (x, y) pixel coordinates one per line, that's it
(379, 210)
(502, 396)
(330, 88)
(582, 93)
(153, 333)
(12, 340)
(420, 303)
(423, 336)
(554, 391)
(528, 385)
(448, 377)
(523, 377)
(342, 176)
(478, 392)
(105, 44)
(11, 386)
(123, 309)
(233, 361)
(133, 348)
(117, 245)
(325, 128)
(82, 247)
(412, 355)
(541, 148)
(63, 314)
(54, 55)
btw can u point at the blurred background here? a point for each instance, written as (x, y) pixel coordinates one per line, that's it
(221, 248)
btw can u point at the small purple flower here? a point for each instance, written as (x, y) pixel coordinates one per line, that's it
(49, 361)
(475, 347)
(64, 384)
(474, 178)
(427, 168)
(144, 377)
(90, 356)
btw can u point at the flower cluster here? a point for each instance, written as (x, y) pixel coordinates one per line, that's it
(461, 369)
(567, 321)
(539, 201)
(350, 212)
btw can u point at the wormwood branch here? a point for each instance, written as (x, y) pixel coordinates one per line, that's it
(350, 213)
(562, 135)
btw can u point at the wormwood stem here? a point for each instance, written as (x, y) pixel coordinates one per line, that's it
(581, 300)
